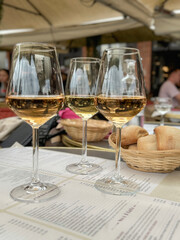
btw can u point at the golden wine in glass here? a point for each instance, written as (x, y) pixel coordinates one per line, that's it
(35, 93)
(120, 95)
(80, 94)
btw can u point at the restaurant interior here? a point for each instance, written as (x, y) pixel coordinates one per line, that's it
(83, 98)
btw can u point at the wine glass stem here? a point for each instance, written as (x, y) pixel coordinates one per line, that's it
(118, 152)
(162, 120)
(84, 143)
(35, 139)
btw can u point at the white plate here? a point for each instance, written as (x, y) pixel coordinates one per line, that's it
(174, 116)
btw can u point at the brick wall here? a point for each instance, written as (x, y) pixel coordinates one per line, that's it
(145, 49)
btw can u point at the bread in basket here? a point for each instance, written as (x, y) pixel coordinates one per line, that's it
(162, 161)
(96, 129)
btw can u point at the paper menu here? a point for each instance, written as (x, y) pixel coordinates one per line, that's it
(13, 227)
(49, 161)
(147, 181)
(11, 177)
(99, 216)
(54, 163)
(80, 211)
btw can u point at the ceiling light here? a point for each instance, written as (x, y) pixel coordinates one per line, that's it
(12, 31)
(176, 11)
(152, 25)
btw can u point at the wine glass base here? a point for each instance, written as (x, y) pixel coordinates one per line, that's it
(35, 193)
(114, 186)
(83, 169)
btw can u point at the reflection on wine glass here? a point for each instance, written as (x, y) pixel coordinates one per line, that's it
(162, 106)
(80, 93)
(120, 95)
(35, 93)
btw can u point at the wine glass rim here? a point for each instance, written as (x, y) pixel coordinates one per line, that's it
(162, 98)
(120, 49)
(35, 44)
(86, 59)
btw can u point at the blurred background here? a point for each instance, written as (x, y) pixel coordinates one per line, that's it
(87, 27)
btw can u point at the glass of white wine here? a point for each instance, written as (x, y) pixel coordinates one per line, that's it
(120, 95)
(162, 106)
(80, 94)
(35, 93)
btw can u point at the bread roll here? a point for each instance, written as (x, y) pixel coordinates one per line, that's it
(147, 143)
(167, 137)
(132, 147)
(130, 134)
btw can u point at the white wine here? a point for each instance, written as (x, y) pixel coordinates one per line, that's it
(35, 110)
(120, 110)
(83, 106)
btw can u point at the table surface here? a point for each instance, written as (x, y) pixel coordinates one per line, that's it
(81, 211)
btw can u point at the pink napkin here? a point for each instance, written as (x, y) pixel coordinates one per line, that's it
(67, 113)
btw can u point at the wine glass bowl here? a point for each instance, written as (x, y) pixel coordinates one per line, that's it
(80, 94)
(120, 95)
(35, 110)
(35, 93)
(162, 106)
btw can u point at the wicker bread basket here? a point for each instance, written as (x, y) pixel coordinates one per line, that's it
(149, 161)
(96, 129)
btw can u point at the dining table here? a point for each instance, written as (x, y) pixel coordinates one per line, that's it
(81, 211)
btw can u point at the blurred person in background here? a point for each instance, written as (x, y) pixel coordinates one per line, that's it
(4, 76)
(64, 73)
(170, 88)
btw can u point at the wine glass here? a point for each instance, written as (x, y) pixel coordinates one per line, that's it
(80, 93)
(35, 93)
(120, 95)
(162, 106)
